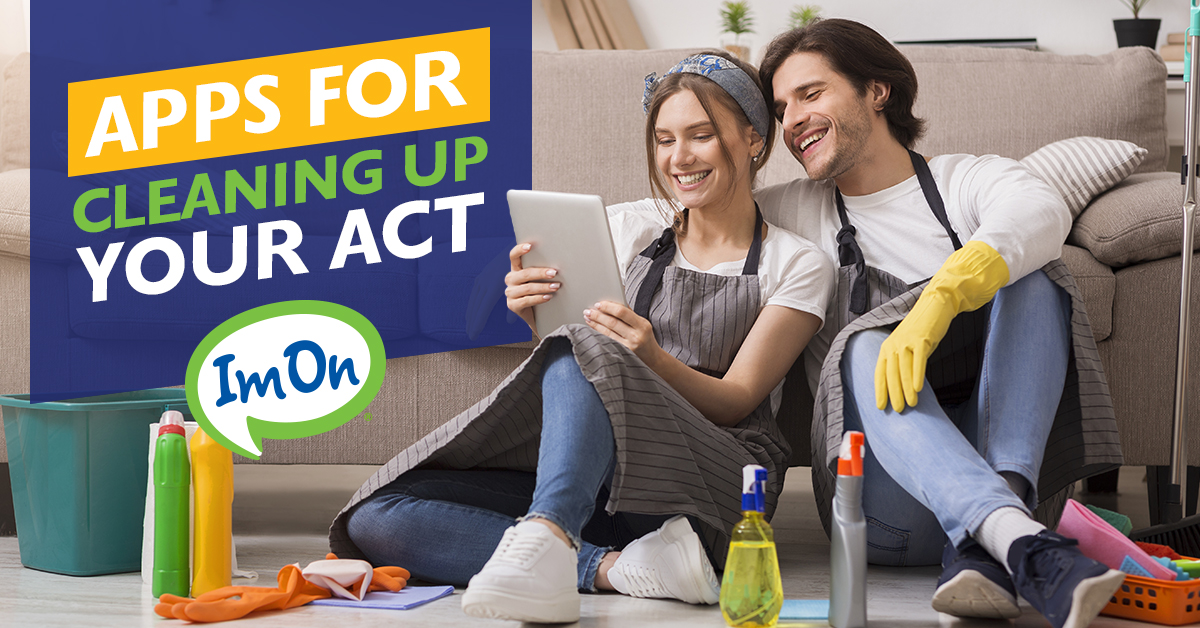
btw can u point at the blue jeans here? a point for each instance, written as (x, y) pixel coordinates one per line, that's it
(932, 471)
(443, 525)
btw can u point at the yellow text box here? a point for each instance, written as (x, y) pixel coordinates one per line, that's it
(315, 102)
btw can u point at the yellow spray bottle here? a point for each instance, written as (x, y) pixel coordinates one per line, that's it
(751, 591)
(212, 479)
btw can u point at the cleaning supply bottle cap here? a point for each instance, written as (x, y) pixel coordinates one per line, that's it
(851, 455)
(752, 487)
(171, 423)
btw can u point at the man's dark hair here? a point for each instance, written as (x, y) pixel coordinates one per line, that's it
(860, 54)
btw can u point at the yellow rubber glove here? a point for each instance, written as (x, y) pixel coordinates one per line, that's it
(968, 280)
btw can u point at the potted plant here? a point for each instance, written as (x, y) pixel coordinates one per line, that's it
(803, 15)
(1136, 31)
(736, 20)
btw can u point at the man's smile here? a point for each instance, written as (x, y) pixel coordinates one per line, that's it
(803, 142)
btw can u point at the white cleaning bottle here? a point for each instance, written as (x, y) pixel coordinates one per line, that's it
(848, 549)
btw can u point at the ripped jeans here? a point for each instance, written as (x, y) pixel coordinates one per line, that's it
(933, 471)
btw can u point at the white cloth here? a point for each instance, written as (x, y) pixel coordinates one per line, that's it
(792, 272)
(990, 199)
(339, 575)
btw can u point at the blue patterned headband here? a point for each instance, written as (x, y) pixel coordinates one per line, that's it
(729, 76)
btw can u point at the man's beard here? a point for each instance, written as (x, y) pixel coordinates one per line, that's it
(851, 143)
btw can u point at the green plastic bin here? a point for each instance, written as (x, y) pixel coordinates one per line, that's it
(78, 471)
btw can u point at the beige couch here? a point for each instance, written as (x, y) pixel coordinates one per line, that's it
(587, 137)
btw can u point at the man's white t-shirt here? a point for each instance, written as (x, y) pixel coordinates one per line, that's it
(990, 199)
(792, 271)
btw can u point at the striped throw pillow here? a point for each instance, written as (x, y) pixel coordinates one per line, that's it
(1081, 168)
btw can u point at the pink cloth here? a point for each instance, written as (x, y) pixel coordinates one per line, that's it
(1101, 542)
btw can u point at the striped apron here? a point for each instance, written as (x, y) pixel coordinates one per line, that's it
(670, 459)
(1083, 440)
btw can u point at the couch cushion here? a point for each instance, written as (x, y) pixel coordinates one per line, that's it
(14, 212)
(14, 114)
(1097, 284)
(1011, 102)
(1139, 360)
(588, 126)
(1139, 220)
(1083, 167)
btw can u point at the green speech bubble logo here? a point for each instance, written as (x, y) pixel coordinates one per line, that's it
(284, 370)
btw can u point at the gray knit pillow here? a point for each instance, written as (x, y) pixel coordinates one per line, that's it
(1081, 168)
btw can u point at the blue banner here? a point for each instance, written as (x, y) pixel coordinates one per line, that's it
(132, 266)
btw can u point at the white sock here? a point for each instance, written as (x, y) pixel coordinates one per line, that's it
(1001, 528)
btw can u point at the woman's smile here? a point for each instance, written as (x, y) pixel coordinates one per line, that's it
(691, 181)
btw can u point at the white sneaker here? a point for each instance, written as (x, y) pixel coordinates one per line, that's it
(530, 577)
(670, 563)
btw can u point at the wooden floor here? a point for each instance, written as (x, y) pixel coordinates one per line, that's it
(281, 512)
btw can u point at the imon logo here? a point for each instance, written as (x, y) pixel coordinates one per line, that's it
(284, 370)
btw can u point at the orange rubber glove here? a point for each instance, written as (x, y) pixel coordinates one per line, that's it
(235, 602)
(966, 282)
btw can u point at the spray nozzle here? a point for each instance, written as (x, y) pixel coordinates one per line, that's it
(754, 487)
(851, 455)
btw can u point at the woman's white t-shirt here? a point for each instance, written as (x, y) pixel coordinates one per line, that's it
(792, 272)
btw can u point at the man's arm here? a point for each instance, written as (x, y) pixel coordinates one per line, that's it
(1017, 224)
(1014, 212)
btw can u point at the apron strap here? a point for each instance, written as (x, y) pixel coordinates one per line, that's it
(932, 196)
(850, 253)
(751, 265)
(662, 251)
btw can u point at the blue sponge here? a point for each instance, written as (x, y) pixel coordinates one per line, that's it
(1180, 574)
(1130, 566)
(804, 609)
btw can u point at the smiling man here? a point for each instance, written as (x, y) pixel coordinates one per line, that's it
(951, 337)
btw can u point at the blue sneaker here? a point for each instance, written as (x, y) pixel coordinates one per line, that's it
(973, 584)
(1066, 587)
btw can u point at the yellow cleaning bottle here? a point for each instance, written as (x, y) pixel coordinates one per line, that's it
(212, 479)
(751, 591)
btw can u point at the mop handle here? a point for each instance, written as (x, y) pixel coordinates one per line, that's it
(1178, 429)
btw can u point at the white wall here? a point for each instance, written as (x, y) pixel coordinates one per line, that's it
(14, 27)
(1061, 26)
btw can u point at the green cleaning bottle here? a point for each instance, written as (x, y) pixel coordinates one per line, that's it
(172, 476)
(751, 591)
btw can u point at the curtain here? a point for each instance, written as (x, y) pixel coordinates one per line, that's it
(594, 24)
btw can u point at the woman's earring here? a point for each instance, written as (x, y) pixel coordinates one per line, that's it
(754, 158)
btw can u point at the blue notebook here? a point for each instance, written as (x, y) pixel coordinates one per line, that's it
(406, 598)
(805, 609)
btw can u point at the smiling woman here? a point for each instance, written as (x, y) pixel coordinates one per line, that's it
(620, 443)
(706, 120)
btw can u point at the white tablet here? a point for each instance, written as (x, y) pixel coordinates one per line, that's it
(569, 232)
